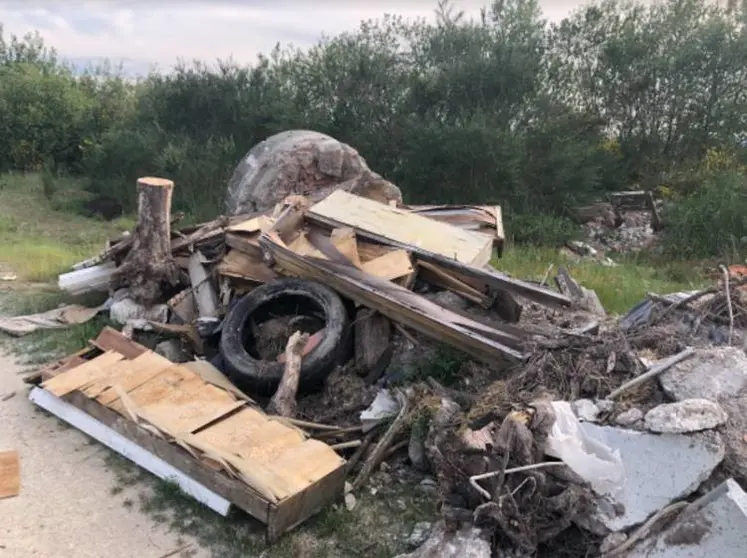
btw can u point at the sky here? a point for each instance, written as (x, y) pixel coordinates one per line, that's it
(156, 33)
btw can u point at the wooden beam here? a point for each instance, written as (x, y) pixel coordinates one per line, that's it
(401, 305)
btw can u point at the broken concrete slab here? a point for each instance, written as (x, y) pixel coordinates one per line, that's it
(468, 542)
(709, 374)
(690, 415)
(586, 410)
(651, 481)
(714, 525)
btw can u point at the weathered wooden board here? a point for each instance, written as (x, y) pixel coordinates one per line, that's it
(10, 474)
(405, 228)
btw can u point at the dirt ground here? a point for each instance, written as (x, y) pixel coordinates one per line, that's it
(72, 504)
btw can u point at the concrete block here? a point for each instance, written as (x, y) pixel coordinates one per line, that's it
(690, 415)
(709, 374)
(714, 525)
(659, 469)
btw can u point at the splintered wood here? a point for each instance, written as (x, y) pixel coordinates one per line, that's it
(219, 430)
(405, 228)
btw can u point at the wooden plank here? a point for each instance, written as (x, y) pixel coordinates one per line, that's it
(299, 507)
(247, 244)
(83, 374)
(10, 474)
(390, 266)
(57, 367)
(259, 223)
(440, 278)
(242, 265)
(401, 305)
(303, 247)
(112, 340)
(193, 476)
(486, 274)
(370, 250)
(347, 244)
(405, 228)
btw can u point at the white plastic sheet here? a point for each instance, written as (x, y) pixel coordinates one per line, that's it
(591, 459)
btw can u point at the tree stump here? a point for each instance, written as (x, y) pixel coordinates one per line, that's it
(149, 268)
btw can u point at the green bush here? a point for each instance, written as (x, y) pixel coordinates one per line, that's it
(712, 222)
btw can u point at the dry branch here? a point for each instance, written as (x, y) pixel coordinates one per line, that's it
(284, 401)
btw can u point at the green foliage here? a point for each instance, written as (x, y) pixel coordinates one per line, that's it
(712, 221)
(505, 109)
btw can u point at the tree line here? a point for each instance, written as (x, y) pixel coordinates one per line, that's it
(502, 109)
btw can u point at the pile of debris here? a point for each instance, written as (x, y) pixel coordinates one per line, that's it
(563, 433)
(627, 222)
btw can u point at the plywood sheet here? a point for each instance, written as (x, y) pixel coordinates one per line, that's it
(346, 243)
(153, 388)
(83, 374)
(390, 266)
(244, 266)
(405, 228)
(125, 370)
(10, 474)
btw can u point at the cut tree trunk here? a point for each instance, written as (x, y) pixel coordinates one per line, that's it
(149, 268)
(283, 403)
(373, 347)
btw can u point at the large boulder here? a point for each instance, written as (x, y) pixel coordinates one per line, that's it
(306, 163)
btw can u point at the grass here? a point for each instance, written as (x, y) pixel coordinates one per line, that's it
(39, 236)
(619, 288)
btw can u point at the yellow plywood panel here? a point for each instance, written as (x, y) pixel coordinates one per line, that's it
(190, 407)
(346, 243)
(405, 228)
(390, 266)
(157, 387)
(82, 375)
(127, 371)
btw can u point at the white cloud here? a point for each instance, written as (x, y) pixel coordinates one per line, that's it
(161, 32)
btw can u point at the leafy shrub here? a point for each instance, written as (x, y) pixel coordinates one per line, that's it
(711, 222)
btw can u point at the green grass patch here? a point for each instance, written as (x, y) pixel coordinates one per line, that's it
(40, 236)
(619, 288)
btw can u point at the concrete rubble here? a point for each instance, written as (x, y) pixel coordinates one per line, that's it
(714, 525)
(690, 415)
(651, 481)
(468, 542)
(631, 417)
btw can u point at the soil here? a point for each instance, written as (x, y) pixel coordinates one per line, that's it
(71, 504)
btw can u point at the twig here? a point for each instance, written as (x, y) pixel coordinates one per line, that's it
(309, 425)
(653, 372)
(347, 445)
(728, 302)
(406, 334)
(643, 531)
(377, 455)
(396, 447)
(339, 432)
(177, 551)
(473, 480)
(547, 275)
(356, 457)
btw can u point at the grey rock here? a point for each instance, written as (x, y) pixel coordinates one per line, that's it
(173, 350)
(585, 409)
(629, 417)
(605, 405)
(468, 542)
(429, 486)
(714, 525)
(447, 299)
(420, 533)
(416, 449)
(612, 541)
(734, 435)
(127, 310)
(652, 481)
(690, 415)
(709, 374)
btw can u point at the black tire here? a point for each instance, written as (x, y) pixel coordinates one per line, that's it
(248, 372)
